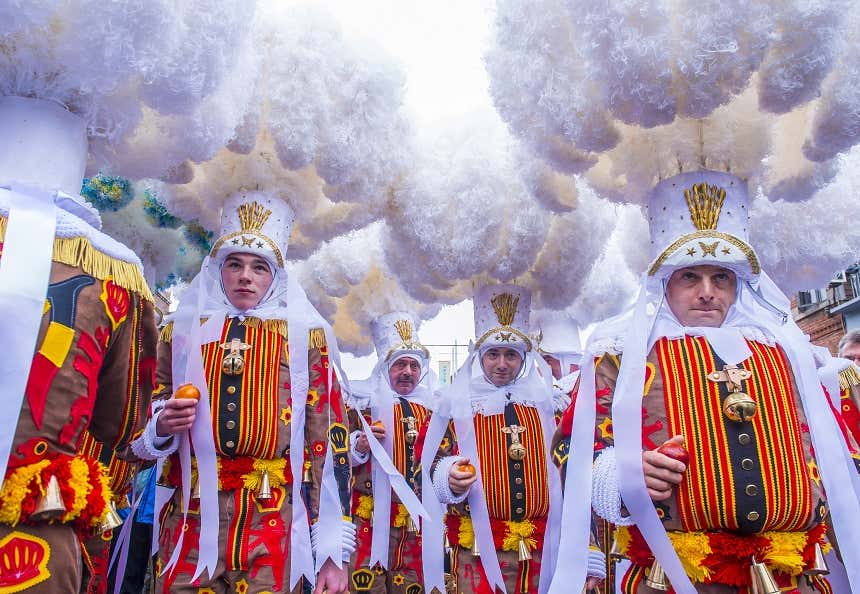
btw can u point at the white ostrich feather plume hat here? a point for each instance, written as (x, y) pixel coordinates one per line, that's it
(701, 217)
(255, 222)
(395, 335)
(502, 317)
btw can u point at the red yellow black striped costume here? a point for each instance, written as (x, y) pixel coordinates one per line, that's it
(750, 489)
(251, 415)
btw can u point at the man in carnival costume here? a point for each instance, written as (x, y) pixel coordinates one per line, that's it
(557, 338)
(393, 404)
(269, 473)
(78, 300)
(505, 511)
(708, 472)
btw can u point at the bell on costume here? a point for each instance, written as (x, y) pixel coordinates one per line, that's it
(411, 525)
(656, 578)
(739, 407)
(111, 519)
(525, 554)
(615, 551)
(762, 580)
(265, 490)
(819, 565)
(51, 505)
(475, 551)
(195, 489)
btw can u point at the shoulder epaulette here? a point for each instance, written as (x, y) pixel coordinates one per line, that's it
(849, 377)
(80, 253)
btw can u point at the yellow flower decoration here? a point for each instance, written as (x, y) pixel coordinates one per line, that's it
(398, 579)
(287, 414)
(313, 397)
(205, 591)
(519, 531)
(275, 468)
(241, 586)
(605, 428)
(692, 548)
(402, 516)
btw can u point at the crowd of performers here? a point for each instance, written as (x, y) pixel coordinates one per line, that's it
(693, 437)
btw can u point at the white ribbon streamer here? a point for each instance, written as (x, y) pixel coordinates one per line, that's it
(25, 271)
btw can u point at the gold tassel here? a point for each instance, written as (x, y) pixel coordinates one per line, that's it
(505, 306)
(166, 334)
(80, 253)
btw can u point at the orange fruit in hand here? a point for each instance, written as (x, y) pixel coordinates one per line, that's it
(376, 424)
(466, 467)
(187, 391)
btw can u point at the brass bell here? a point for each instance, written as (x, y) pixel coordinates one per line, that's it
(656, 578)
(195, 489)
(819, 565)
(50, 506)
(739, 407)
(517, 451)
(411, 433)
(233, 364)
(265, 490)
(412, 526)
(307, 475)
(475, 551)
(762, 580)
(447, 543)
(615, 551)
(111, 519)
(525, 554)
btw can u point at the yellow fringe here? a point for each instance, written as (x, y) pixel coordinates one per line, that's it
(692, 548)
(466, 537)
(849, 377)
(15, 489)
(519, 531)
(275, 467)
(80, 253)
(364, 509)
(79, 481)
(402, 516)
(316, 337)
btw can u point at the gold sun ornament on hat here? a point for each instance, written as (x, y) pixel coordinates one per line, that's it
(407, 342)
(255, 222)
(711, 229)
(508, 323)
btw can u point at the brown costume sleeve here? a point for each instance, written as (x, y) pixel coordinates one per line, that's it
(126, 379)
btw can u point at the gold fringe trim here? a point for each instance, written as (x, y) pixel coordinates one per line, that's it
(849, 377)
(316, 338)
(80, 253)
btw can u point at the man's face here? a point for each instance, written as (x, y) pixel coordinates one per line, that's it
(501, 365)
(554, 365)
(851, 351)
(246, 279)
(404, 375)
(701, 295)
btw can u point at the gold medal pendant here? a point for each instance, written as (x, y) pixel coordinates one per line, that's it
(233, 362)
(516, 450)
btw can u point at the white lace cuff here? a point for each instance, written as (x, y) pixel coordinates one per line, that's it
(356, 458)
(596, 564)
(560, 400)
(347, 536)
(149, 446)
(605, 491)
(440, 481)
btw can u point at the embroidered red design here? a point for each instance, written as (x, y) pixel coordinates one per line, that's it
(117, 302)
(23, 561)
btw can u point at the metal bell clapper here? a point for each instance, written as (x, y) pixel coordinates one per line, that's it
(265, 490)
(656, 578)
(738, 406)
(233, 362)
(50, 506)
(762, 579)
